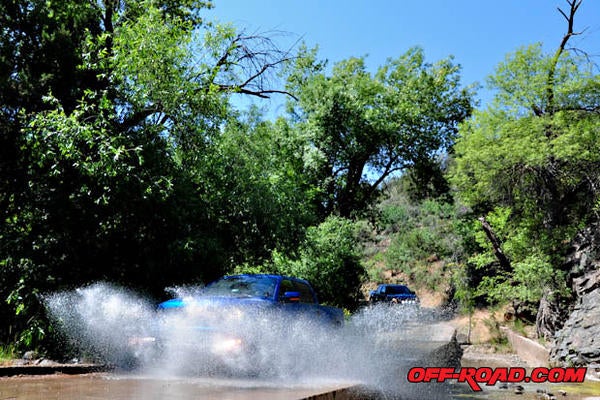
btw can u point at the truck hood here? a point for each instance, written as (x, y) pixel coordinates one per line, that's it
(213, 301)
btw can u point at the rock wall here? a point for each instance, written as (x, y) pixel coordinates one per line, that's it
(578, 342)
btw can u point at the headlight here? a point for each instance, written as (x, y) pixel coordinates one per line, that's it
(227, 345)
(141, 340)
(234, 314)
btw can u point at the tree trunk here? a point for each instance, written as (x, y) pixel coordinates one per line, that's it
(502, 259)
(550, 317)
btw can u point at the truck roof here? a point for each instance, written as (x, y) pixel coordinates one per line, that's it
(272, 276)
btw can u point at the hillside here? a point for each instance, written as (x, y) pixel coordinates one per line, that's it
(428, 246)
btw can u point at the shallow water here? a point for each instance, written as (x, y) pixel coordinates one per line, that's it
(574, 391)
(176, 354)
(131, 387)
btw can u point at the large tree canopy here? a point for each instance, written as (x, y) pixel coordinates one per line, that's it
(531, 162)
(366, 127)
(109, 114)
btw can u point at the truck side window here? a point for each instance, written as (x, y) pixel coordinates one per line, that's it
(285, 286)
(306, 295)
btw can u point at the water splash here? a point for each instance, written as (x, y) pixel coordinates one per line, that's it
(114, 325)
(99, 319)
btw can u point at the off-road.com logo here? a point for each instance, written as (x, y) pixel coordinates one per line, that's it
(490, 376)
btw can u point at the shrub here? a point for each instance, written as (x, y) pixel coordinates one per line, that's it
(330, 259)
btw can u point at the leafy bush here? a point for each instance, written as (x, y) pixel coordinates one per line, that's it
(392, 217)
(330, 259)
(254, 269)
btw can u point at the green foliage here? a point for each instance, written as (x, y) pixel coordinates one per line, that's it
(530, 165)
(254, 269)
(393, 217)
(107, 134)
(525, 284)
(400, 118)
(532, 270)
(428, 232)
(542, 164)
(8, 353)
(464, 290)
(254, 184)
(149, 61)
(329, 258)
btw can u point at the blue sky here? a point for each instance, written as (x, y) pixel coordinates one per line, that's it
(479, 34)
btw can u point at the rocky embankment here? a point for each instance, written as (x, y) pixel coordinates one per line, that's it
(578, 342)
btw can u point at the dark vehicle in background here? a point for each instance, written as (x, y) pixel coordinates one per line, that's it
(395, 294)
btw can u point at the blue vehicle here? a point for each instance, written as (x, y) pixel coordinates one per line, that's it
(394, 294)
(294, 296)
(240, 323)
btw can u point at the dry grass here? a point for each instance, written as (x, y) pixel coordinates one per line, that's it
(480, 330)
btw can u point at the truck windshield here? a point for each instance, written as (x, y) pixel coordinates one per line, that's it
(397, 290)
(242, 286)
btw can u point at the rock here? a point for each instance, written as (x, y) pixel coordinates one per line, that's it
(30, 356)
(448, 355)
(519, 389)
(577, 342)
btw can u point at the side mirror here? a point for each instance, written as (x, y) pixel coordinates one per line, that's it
(291, 297)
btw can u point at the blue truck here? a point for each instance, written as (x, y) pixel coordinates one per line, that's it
(240, 323)
(294, 296)
(394, 294)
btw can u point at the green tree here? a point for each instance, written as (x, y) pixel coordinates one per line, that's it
(531, 162)
(256, 188)
(107, 109)
(329, 258)
(367, 127)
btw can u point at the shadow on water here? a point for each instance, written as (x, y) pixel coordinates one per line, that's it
(374, 349)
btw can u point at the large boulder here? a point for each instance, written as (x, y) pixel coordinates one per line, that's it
(578, 342)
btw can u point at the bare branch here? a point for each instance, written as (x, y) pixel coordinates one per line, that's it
(383, 177)
(251, 58)
(388, 170)
(263, 70)
(139, 116)
(573, 6)
(563, 13)
(263, 94)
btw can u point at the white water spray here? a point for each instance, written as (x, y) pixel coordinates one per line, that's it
(117, 326)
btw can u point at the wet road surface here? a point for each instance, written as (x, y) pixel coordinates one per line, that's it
(109, 386)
